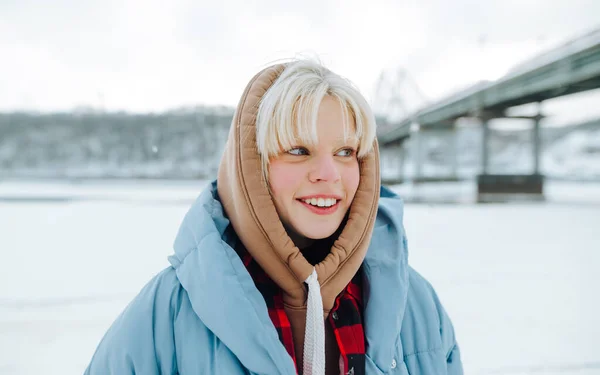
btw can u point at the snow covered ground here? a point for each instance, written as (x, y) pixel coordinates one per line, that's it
(519, 280)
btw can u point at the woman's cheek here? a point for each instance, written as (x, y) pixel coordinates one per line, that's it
(351, 178)
(282, 176)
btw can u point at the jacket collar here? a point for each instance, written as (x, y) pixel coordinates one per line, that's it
(224, 296)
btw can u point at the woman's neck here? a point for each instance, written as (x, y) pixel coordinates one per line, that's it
(314, 250)
(300, 241)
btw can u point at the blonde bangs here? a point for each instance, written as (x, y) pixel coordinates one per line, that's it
(288, 112)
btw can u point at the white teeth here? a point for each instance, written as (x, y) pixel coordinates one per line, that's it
(321, 202)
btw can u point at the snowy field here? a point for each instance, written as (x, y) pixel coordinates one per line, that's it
(521, 281)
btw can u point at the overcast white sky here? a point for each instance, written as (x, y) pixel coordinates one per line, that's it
(154, 55)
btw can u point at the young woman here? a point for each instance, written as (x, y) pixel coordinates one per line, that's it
(295, 259)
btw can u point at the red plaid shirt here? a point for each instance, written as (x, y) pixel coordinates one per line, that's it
(345, 316)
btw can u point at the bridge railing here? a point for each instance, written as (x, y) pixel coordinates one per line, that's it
(569, 48)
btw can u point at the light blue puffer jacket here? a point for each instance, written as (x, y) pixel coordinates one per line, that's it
(203, 314)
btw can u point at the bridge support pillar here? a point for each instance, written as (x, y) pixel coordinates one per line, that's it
(417, 155)
(485, 128)
(453, 153)
(536, 144)
(494, 187)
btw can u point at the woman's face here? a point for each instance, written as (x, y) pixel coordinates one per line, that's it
(313, 187)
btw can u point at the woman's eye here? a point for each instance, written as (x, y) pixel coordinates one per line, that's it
(298, 151)
(346, 152)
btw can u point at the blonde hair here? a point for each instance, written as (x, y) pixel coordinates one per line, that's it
(288, 111)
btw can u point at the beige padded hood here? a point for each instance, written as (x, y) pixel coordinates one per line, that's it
(249, 207)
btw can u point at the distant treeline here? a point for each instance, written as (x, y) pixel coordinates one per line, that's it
(177, 144)
(188, 144)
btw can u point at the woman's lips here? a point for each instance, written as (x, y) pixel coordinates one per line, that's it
(321, 210)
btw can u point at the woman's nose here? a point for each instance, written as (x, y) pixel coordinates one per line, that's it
(324, 169)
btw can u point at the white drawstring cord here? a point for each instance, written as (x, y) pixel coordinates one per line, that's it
(314, 334)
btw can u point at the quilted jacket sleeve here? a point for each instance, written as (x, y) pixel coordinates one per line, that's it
(140, 341)
(453, 360)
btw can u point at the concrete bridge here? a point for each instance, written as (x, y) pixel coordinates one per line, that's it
(570, 68)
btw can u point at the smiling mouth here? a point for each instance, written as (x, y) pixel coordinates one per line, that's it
(322, 206)
(320, 202)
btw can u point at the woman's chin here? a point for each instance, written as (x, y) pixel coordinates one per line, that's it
(317, 233)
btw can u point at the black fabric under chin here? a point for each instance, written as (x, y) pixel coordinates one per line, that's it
(318, 250)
